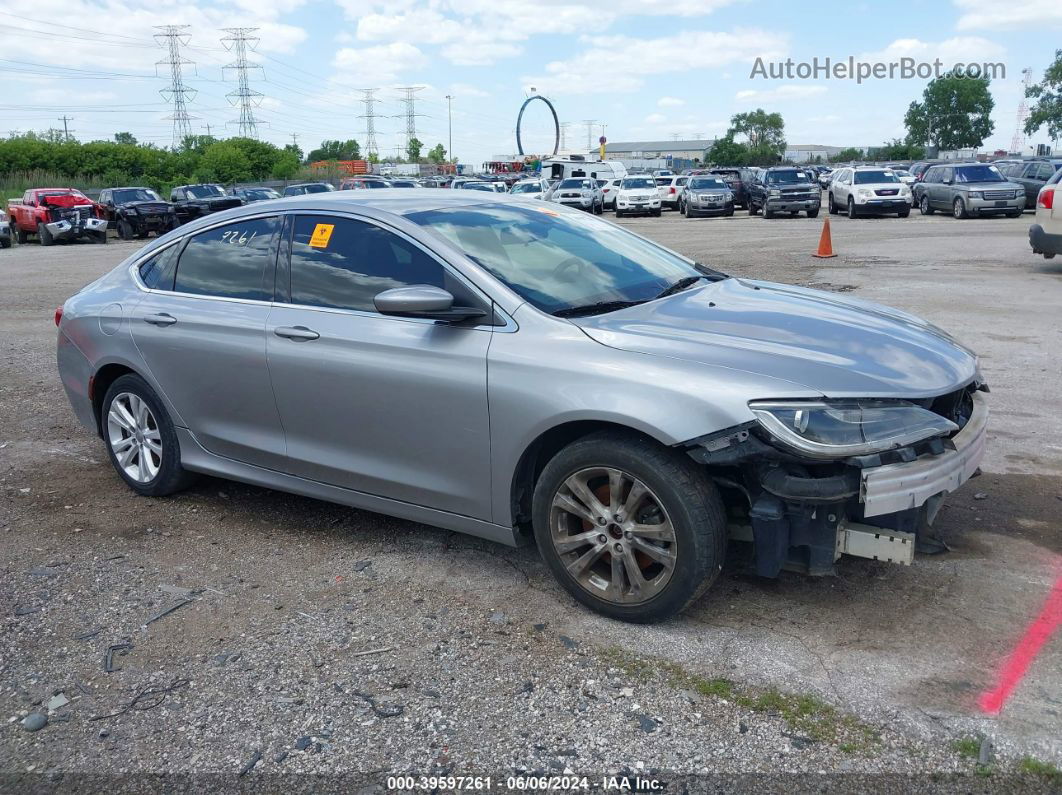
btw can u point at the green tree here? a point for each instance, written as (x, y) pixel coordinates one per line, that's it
(373, 157)
(1047, 110)
(725, 151)
(760, 128)
(847, 155)
(437, 154)
(413, 149)
(335, 150)
(897, 150)
(125, 138)
(286, 165)
(955, 113)
(295, 150)
(260, 155)
(224, 162)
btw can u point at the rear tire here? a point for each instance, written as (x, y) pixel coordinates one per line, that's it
(830, 205)
(753, 209)
(923, 205)
(149, 434)
(676, 562)
(20, 233)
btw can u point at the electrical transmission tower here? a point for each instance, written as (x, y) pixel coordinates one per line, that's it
(1017, 143)
(238, 42)
(370, 120)
(589, 133)
(564, 134)
(172, 37)
(411, 114)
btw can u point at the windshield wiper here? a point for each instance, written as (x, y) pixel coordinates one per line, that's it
(595, 309)
(682, 284)
(711, 273)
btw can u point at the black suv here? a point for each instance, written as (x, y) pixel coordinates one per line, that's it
(194, 201)
(785, 189)
(738, 179)
(1030, 174)
(135, 212)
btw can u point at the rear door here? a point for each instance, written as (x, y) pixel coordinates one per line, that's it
(388, 406)
(201, 331)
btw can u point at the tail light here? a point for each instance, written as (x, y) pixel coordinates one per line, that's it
(1046, 199)
(58, 315)
(670, 190)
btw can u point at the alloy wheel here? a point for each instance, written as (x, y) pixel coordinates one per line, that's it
(134, 437)
(613, 535)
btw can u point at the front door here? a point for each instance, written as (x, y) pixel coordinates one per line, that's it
(201, 331)
(388, 406)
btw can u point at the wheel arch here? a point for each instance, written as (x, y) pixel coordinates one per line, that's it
(99, 384)
(542, 449)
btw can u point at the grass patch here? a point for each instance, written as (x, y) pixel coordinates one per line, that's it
(805, 714)
(1034, 767)
(967, 747)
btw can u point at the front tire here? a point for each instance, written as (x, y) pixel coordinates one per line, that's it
(813, 213)
(958, 209)
(140, 438)
(125, 231)
(661, 519)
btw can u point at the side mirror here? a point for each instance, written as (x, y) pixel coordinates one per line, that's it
(424, 301)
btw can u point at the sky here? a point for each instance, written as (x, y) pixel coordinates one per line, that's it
(644, 69)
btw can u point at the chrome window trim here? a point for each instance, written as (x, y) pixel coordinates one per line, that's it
(134, 272)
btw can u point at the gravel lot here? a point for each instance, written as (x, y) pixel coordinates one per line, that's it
(314, 638)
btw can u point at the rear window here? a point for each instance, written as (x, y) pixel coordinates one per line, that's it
(231, 261)
(663, 180)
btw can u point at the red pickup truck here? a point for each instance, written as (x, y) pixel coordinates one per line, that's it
(56, 214)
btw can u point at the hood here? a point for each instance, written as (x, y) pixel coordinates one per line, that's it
(218, 202)
(147, 206)
(991, 185)
(66, 200)
(836, 346)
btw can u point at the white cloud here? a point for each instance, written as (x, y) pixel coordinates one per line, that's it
(465, 90)
(477, 49)
(655, 118)
(991, 14)
(670, 102)
(780, 94)
(958, 49)
(380, 64)
(609, 65)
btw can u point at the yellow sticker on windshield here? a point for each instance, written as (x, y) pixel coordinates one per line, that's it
(322, 233)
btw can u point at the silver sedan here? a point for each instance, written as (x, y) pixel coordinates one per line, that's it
(525, 373)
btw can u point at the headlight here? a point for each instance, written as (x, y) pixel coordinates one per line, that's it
(976, 194)
(843, 428)
(864, 192)
(774, 192)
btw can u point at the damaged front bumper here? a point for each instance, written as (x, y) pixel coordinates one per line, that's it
(804, 516)
(67, 229)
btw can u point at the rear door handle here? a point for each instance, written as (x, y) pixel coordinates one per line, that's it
(161, 319)
(297, 333)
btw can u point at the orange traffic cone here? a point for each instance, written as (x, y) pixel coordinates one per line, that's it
(825, 241)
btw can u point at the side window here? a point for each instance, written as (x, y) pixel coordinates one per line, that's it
(157, 272)
(343, 264)
(1045, 171)
(105, 196)
(231, 261)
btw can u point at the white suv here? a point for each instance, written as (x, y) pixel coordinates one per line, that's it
(1045, 235)
(868, 190)
(637, 194)
(670, 190)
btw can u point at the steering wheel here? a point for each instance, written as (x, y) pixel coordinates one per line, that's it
(571, 262)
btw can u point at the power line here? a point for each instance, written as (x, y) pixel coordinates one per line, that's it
(370, 120)
(411, 114)
(238, 41)
(172, 37)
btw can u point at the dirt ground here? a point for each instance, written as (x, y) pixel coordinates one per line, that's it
(308, 637)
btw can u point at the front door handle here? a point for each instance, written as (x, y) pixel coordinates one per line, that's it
(296, 333)
(161, 319)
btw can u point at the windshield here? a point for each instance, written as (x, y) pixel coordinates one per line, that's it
(786, 177)
(318, 187)
(558, 260)
(576, 183)
(478, 186)
(205, 191)
(901, 172)
(699, 183)
(135, 195)
(634, 183)
(527, 187)
(978, 174)
(874, 177)
(260, 194)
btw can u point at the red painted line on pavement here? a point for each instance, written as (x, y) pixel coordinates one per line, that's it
(1016, 666)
